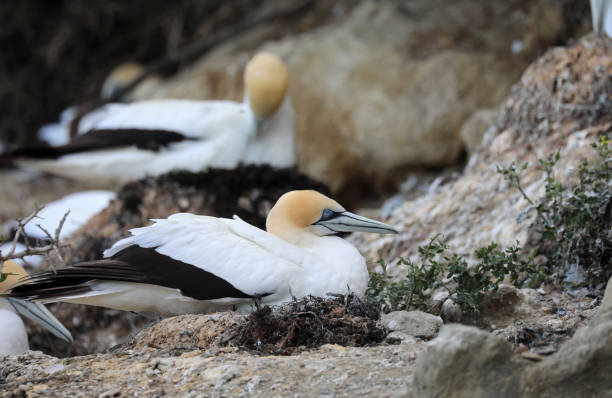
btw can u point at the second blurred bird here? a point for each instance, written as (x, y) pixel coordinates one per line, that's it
(131, 141)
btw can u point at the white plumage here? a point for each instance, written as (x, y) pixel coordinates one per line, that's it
(190, 263)
(156, 136)
(81, 207)
(254, 261)
(57, 134)
(13, 336)
(218, 132)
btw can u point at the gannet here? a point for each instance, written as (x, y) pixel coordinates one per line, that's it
(191, 264)
(13, 336)
(129, 141)
(56, 134)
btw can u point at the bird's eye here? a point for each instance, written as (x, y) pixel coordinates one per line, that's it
(327, 214)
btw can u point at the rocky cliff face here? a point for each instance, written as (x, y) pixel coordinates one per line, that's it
(541, 343)
(561, 103)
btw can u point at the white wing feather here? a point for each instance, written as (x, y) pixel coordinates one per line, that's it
(198, 119)
(252, 260)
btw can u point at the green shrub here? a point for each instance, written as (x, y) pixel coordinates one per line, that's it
(573, 225)
(436, 269)
(573, 229)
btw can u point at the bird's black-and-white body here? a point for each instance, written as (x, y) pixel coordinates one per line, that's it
(190, 263)
(57, 134)
(214, 134)
(122, 142)
(13, 336)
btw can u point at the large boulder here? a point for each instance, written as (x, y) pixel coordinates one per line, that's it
(467, 362)
(464, 361)
(389, 85)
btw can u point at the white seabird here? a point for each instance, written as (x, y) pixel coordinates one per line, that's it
(191, 264)
(129, 141)
(13, 336)
(57, 134)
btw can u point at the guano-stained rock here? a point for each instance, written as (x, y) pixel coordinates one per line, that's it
(413, 323)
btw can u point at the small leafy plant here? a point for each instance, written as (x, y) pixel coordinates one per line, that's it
(438, 269)
(574, 226)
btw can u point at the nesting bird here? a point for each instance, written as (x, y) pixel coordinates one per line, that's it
(129, 141)
(190, 264)
(13, 336)
(56, 134)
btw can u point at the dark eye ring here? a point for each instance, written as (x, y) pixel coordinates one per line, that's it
(327, 214)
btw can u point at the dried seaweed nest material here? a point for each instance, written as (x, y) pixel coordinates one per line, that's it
(300, 325)
(309, 323)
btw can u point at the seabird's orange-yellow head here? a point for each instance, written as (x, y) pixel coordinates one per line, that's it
(266, 81)
(312, 212)
(11, 273)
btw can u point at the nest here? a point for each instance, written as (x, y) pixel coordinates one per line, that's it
(310, 323)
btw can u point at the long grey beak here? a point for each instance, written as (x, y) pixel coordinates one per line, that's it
(349, 222)
(39, 314)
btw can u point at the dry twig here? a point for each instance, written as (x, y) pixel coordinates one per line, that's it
(54, 245)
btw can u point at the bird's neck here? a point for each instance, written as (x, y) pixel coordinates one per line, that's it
(295, 235)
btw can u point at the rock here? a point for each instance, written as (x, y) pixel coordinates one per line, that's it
(399, 338)
(467, 362)
(505, 304)
(413, 323)
(464, 361)
(475, 127)
(480, 207)
(390, 84)
(605, 309)
(606, 302)
(332, 370)
(189, 331)
(451, 311)
(581, 368)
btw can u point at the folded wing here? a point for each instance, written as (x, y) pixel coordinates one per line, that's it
(205, 258)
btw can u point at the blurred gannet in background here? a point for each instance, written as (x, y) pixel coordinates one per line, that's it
(56, 134)
(13, 336)
(81, 206)
(188, 263)
(130, 141)
(601, 15)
